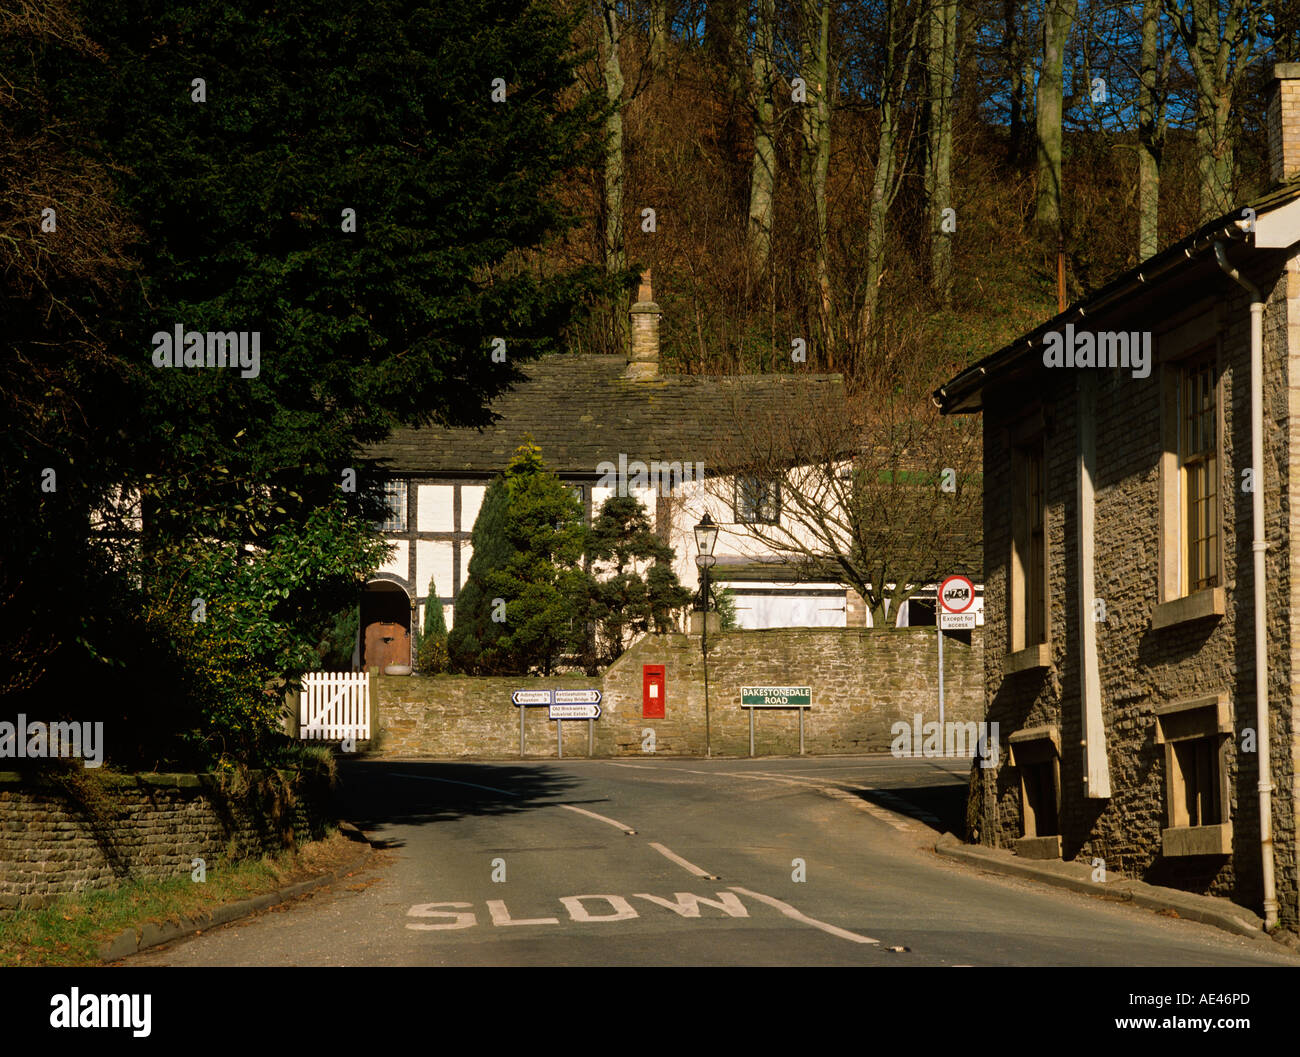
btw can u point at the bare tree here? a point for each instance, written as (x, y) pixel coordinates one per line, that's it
(1058, 17)
(615, 246)
(941, 68)
(815, 70)
(762, 180)
(879, 494)
(1220, 37)
(904, 19)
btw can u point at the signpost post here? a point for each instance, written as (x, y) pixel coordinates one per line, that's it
(575, 704)
(752, 697)
(956, 596)
(528, 699)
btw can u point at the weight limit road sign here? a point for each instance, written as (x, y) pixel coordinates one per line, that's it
(956, 594)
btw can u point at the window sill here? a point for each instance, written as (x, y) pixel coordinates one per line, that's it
(1039, 847)
(1197, 840)
(1198, 606)
(1037, 656)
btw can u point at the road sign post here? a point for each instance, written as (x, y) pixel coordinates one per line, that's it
(956, 597)
(523, 699)
(938, 627)
(752, 697)
(575, 704)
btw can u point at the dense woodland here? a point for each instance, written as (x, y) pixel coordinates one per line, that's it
(384, 193)
(800, 156)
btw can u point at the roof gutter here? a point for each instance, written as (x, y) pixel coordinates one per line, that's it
(1258, 546)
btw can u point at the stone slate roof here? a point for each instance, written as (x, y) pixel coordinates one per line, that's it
(581, 412)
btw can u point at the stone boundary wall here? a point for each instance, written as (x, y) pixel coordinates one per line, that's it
(863, 681)
(62, 836)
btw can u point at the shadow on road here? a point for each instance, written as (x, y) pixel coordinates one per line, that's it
(375, 794)
(935, 797)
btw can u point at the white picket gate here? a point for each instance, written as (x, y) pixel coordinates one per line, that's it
(335, 705)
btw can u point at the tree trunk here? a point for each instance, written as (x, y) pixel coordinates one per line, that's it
(885, 183)
(615, 246)
(1015, 71)
(941, 64)
(1218, 52)
(814, 52)
(1058, 16)
(762, 179)
(726, 32)
(660, 20)
(1149, 134)
(1215, 155)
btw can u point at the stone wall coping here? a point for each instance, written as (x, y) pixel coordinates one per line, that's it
(153, 779)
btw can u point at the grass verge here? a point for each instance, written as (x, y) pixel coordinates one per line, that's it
(72, 930)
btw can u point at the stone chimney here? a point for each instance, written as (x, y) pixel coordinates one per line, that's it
(1284, 123)
(643, 361)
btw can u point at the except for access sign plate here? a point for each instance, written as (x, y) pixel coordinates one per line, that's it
(956, 621)
(574, 711)
(577, 697)
(776, 696)
(532, 697)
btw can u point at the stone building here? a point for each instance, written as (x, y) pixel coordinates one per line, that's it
(1142, 555)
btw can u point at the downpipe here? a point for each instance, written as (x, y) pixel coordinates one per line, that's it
(1258, 546)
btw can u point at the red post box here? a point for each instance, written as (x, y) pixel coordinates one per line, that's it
(652, 691)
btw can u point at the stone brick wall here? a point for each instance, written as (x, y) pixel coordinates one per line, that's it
(57, 837)
(1143, 667)
(863, 680)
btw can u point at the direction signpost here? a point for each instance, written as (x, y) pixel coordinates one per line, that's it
(561, 705)
(752, 697)
(956, 597)
(528, 699)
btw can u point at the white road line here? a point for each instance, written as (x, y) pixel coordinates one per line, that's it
(799, 915)
(452, 781)
(883, 814)
(690, 866)
(634, 766)
(591, 814)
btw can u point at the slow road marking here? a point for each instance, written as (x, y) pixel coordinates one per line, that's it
(588, 909)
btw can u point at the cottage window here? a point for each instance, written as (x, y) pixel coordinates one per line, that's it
(1196, 801)
(1195, 734)
(1028, 548)
(1198, 429)
(1036, 756)
(395, 497)
(1191, 538)
(758, 501)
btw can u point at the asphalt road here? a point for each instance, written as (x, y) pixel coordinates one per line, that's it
(823, 861)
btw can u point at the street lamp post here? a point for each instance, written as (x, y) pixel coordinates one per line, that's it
(706, 535)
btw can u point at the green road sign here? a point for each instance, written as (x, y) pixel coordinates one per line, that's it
(776, 696)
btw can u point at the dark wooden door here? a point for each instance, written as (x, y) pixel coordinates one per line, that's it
(387, 644)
